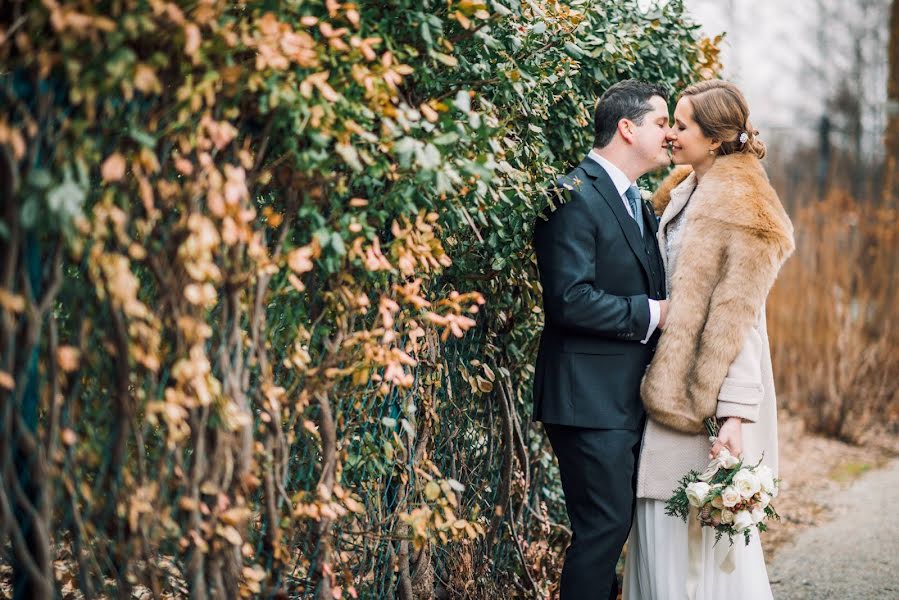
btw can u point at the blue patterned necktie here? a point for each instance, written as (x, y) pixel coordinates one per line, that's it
(633, 198)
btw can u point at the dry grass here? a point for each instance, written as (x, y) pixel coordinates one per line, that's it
(833, 317)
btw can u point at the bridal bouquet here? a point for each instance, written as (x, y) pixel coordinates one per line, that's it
(732, 498)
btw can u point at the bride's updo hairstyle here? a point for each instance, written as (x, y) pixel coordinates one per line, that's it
(721, 112)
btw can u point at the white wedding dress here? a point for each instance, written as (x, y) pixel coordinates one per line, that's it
(656, 565)
(657, 561)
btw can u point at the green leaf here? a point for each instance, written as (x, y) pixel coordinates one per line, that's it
(142, 137)
(446, 139)
(574, 50)
(350, 156)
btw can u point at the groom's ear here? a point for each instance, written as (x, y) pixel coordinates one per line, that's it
(626, 130)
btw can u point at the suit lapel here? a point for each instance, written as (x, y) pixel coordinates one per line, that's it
(603, 184)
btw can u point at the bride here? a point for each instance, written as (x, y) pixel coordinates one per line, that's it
(723, 236)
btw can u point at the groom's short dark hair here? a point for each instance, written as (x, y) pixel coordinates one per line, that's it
(628, 99)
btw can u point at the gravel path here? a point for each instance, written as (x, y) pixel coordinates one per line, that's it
(855, 556)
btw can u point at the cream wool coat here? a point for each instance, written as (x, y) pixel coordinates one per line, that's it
(713, 357)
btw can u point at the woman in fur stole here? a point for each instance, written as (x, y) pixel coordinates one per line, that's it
(723, 236)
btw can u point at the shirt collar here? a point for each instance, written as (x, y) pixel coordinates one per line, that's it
(619, 179)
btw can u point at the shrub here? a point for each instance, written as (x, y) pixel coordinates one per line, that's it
(267, 281)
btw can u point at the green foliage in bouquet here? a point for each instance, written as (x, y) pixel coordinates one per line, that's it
(268, 281)
(678, 505)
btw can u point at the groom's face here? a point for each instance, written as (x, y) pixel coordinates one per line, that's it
(651, 137)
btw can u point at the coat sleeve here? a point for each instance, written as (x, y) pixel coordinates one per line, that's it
(742, 391)
(566, 255)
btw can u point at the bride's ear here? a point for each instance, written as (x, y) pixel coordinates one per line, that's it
(716, 144)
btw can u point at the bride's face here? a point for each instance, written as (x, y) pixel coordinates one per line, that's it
(689, 145)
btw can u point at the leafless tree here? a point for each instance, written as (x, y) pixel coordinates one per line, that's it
(891, 188)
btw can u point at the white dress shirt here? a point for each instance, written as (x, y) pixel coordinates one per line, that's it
(621, 183)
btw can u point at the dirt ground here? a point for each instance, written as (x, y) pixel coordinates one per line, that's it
(813, 469)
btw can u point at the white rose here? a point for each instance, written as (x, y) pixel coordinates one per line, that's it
(764, 499)
(696, 493)
(727, 460)
(766, 478)
(746, 483)
(727, 516)
(730, 497)
(758, 515)
(743, 520)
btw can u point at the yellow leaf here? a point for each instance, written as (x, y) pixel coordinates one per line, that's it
(429, 113)
(256, 573)
(353, 505)
(231, 534)
(201, 295)
(463, 20)
(472, 533)
(450, 61)
(148, 160)
(484, 385)
(235, 516)
(432, 491)
(188, 503)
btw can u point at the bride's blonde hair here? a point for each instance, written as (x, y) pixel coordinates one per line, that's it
(721, 111)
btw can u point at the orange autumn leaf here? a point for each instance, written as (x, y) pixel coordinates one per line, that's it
(68, 358)
(13, 138)
(300, 260)
(145, 79)
(192, 39)
(113, 168)
(12, 302)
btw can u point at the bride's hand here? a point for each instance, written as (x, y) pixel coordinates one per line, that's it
(730, 435)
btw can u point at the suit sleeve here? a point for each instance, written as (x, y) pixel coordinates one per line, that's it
(566, 257)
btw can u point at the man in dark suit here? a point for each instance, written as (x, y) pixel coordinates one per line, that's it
(603, 289)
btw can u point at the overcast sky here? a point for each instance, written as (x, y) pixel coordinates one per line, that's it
(791, 58)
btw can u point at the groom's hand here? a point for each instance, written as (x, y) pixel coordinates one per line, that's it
(663, 313)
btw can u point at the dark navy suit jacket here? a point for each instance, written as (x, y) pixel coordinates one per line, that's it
(597, 274)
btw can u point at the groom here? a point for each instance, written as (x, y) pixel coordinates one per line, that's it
(603, 289)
